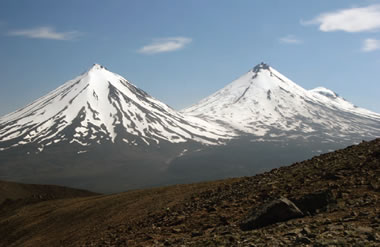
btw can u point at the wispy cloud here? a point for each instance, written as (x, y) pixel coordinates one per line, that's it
(165, 45)
(290, 39)
(349, 20)
(371, 45)
(45, 33)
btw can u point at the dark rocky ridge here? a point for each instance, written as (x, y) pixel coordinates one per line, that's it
(338, 192)
(11, 191)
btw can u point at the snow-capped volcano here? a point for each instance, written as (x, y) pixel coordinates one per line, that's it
(263, 102)
(100, 106)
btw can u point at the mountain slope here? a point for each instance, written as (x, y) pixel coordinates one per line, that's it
(100, 106)
(263, 102)
(209, 214)
(99, 132)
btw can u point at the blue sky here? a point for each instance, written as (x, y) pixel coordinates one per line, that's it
(181, 51)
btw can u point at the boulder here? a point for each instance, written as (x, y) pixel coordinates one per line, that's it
(314, 202)
(275, 211)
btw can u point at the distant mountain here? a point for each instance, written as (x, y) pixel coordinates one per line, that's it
(97, 107)
(266, 104)
(102, 133)
(276, 121)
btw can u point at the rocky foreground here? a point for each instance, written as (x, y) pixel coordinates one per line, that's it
(330, 200)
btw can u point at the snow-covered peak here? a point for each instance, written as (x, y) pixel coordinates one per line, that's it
(264, 101)
(98, 70)
(101, 106)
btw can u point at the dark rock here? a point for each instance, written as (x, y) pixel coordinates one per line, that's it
(303, 240)
(211, 209)
(226, 233)
(314, 202)
(372, 236)
(223, 220)
(376, 154)
(195, 234)
(167, 243)
(275, 211)
(375, 185)
(329, 176)
(7, 201)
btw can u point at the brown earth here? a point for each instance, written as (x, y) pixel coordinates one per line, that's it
(338, 193)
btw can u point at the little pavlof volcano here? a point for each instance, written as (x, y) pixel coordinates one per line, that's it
(100, 132)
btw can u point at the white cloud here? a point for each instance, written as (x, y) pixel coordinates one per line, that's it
(290, 39)
(165, 45)
(45, 33)
(371, 45)
(349, 20)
